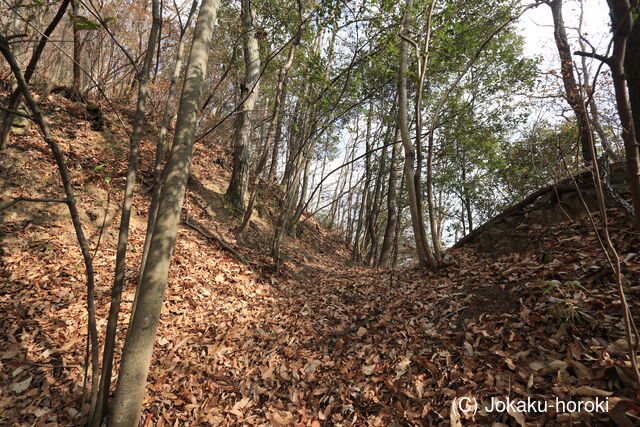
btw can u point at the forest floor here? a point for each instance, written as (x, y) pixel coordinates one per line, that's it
(321, 343)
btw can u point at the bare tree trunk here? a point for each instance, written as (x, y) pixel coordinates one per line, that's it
(387, 240)
(399, 228)
(248, 94)
(77, 49)
(622, 22)
(464, 196)
(350, 217)
(588, 93)
(355, 253)
(572, 92)
(423, 249)
(282, 221)
(73, 211)
(271, 132)
(58, 74)
(138, 345)
(632, 71)
(368, 191)
(324, 164)
(372, 227)
(16, 96)
(303, 197)
(160, 144)
(123, 234)
(423, 60)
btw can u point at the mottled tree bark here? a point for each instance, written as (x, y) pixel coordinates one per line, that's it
(141, 335)
(123, 232)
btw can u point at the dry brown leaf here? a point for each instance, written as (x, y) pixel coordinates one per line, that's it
(591, 392)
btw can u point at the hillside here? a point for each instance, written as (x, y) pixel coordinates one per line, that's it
(320, 343)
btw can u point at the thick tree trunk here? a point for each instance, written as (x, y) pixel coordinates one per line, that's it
(123, 234)
(622, 22)
(632, 72)
(138, 346)
(248, 95)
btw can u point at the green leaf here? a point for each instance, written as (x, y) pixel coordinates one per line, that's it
(83, 23)
(98, 167)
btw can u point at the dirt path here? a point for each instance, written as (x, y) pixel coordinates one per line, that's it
(328, 344)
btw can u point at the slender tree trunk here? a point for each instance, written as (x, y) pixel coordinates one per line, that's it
(572, 91)
(355, 253)
(303, 196)
(387, 240)
(350, 218)
(73, 212)
(324, 164)
(591, 107)
(123, 235)
(282, 221)
(138, 346)
(271, 132)
(16, 96)
(368, 171)
(58, 70)
(77, 49)
(423, 249)
(248, 95)
(466, 200)
(160, 143)
(399, 227)
(423, 60)
(375, 208)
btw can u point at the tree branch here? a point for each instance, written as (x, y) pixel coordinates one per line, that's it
(30, 199)
(605, 59)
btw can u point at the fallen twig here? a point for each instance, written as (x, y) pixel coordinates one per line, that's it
(31, 199)
(215, 237)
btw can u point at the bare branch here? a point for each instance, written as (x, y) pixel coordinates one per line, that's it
(31, 199)
(605, 59)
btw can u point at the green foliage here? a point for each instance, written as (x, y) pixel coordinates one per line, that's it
(536, 159)
(83, 23)
(563, 301)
